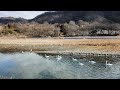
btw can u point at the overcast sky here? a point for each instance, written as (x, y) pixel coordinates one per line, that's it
(23, 14)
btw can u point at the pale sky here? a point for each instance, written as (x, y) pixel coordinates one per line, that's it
(23, 14)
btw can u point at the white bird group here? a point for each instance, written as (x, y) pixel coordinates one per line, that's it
(30, 51)
(92, 62)
(58, 57)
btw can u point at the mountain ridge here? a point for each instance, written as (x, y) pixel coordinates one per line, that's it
(5, 20)
(67, 16)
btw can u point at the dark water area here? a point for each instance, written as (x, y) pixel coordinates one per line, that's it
(43, 66)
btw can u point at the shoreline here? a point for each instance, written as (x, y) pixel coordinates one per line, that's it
(63, 46)
(76, 53)
(70, 53)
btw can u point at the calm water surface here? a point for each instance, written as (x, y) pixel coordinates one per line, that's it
(37, 66)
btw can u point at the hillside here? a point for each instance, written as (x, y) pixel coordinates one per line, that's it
(64, 23)
(66, 16)
(5, 20)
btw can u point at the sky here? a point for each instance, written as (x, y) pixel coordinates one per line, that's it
(23, 14)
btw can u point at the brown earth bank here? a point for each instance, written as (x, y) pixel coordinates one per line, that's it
(100, 46)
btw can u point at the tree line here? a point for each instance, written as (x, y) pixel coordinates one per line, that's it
(70, 29)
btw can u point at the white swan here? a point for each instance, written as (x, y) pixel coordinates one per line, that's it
(47, 56)
(81, 64)
(74, 59)
(22, 52)
(108, 64)
(92, 62)
(59, 57)
(30, 50)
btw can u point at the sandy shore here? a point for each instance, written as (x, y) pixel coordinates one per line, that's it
(99, 46)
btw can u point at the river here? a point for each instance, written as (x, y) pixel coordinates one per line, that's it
(40, 66)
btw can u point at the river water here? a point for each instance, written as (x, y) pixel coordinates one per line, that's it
(38, 66)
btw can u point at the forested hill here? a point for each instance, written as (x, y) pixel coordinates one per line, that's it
(66, 16)
(89, 16)
(64, 23)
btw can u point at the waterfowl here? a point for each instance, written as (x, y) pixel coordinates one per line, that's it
(46, 56)
(59, 57)
(74, 59)
(92, 62)
(81, 64)
(108, 64)
(22, 52)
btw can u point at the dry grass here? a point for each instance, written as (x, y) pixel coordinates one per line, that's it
(31, 41)
(86, 45)
(51, 41)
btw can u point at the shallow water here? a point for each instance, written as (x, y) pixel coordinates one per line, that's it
(37, 66)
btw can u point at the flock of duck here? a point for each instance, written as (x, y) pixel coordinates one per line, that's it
(76, 60)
